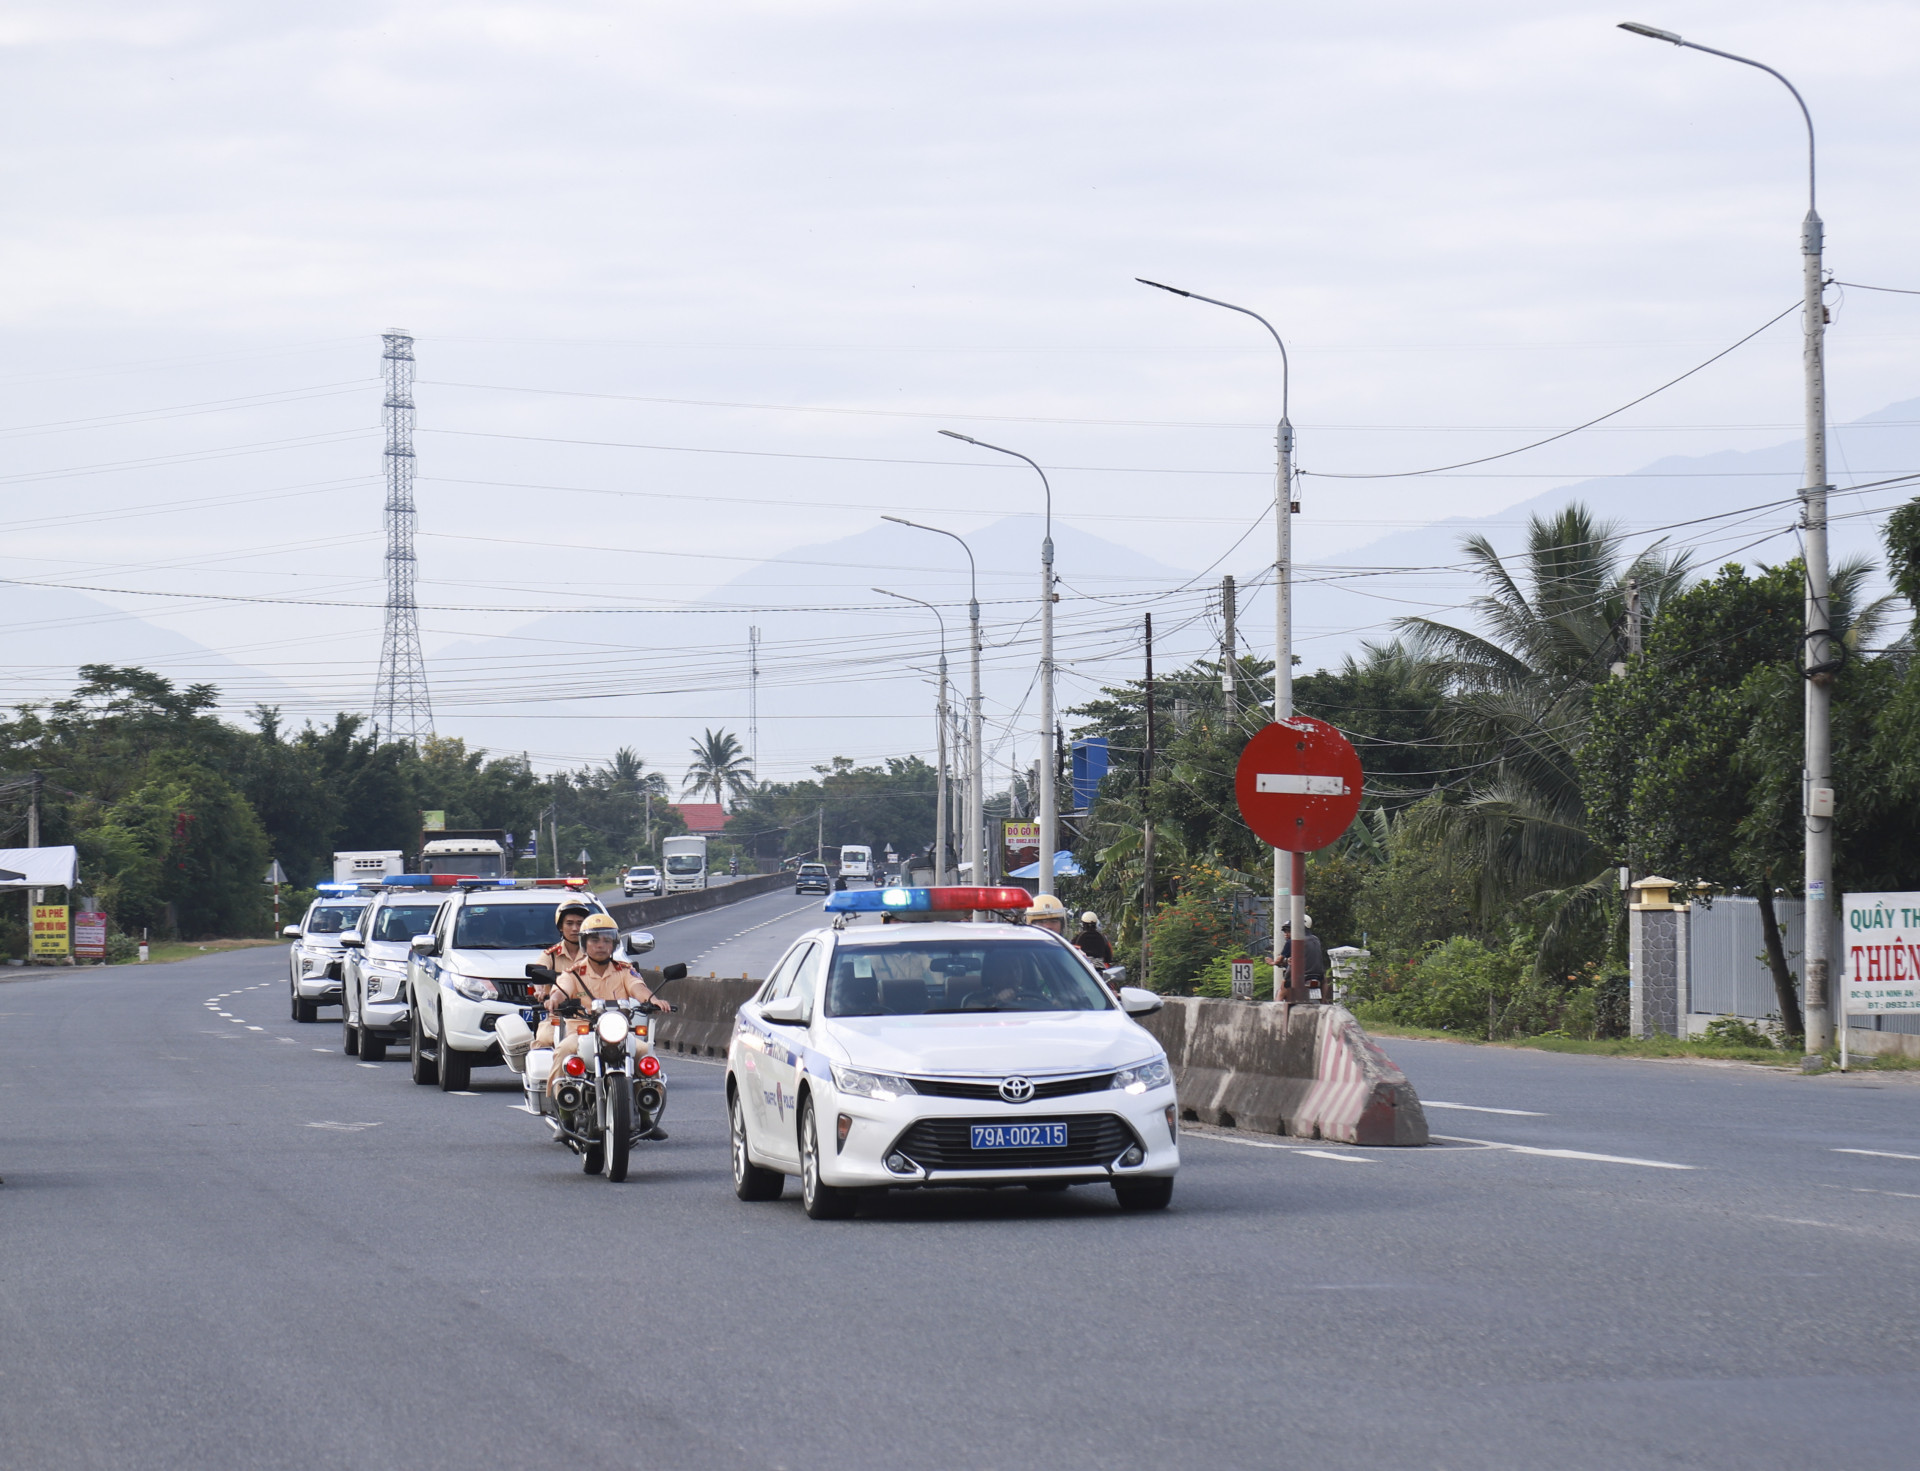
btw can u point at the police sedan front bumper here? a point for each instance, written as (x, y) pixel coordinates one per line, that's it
(923, 1141)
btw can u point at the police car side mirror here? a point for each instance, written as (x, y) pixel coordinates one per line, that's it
(425, 944)
(787, 1011)
(639, 943)
(291, 932)
(1138, 1002)
(351, 940)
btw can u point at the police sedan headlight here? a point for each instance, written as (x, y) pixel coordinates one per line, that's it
(474, 988)
(882, 1087)
(612, 1028)
(1144, 1077)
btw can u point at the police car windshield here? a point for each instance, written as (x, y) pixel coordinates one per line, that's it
(334, 921)
(942, 977)
(504, 927)
(401, 922)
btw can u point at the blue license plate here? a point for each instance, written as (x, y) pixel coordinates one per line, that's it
(1019, 1136)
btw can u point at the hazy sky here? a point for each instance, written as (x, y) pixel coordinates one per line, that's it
(694, 285)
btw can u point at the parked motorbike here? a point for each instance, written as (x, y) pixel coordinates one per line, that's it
(611, 1090)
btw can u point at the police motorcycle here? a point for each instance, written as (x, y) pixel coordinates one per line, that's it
(611, 1091)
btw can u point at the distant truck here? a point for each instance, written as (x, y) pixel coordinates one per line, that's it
(685, 859)
(481, 852)
(367, 866)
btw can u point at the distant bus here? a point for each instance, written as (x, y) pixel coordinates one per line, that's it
(856, 862)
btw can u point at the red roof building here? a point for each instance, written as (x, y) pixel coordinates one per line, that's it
(702, 817)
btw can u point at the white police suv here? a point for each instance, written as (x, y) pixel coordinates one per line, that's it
(470, 968)
(315, 958)
(906, 1055)
(373, 978)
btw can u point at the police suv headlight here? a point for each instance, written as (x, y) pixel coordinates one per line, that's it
(612, 1028)
(474, 988)
(882, 1087)
(1144, 1077)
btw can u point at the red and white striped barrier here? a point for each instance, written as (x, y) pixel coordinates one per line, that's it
(1308, 1071)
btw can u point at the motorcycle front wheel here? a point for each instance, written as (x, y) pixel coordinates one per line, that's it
(619, 1125)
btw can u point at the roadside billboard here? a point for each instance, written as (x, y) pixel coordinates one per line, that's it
(1021, 840)
(90, 934)
(1881, 941)
(50, 929)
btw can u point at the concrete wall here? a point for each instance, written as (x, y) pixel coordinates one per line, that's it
(637, 914)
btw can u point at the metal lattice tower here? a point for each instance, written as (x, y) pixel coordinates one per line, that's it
(401, 708)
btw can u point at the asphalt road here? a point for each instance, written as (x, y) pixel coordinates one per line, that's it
(225, 1244)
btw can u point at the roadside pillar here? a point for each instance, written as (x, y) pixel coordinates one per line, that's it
(1655, 942)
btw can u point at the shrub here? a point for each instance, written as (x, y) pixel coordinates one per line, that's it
(1187, 934)
(1736, 1031)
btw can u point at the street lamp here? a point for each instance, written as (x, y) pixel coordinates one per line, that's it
(940, 817)
(1817, 776)
(1289, 869)
(975, 809)
(1049, 803)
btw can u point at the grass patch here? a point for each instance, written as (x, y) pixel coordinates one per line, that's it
(163, 952)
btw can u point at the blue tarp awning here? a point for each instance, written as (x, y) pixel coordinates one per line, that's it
(1063, 868)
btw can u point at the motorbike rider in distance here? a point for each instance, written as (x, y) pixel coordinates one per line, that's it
(598, 977)
(1091, 943)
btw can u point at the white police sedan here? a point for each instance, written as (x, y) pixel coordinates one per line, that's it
(943, 1053)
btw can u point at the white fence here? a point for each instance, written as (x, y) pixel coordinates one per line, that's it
(1727, 972)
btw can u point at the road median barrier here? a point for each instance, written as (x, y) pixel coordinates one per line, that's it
(637, 914)
(701, 1022)
(1305, 1070)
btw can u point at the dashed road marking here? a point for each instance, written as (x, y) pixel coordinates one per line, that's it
(1526, 1113)
(343, 1128)
(1862, 1190)
(1601, 1159)
(1352, 1159)
(462, 1093)
(256, 1029)
(1878, 1153)
(374, 1065)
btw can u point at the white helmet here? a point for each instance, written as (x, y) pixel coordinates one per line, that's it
(1090, 918)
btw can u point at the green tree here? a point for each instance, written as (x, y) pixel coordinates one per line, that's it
(1520, 690)
(719, 767)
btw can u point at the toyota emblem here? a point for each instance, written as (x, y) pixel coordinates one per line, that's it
(1016, 1090)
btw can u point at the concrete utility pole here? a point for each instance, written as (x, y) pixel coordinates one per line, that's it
(1228, 643)
(1817, 801)
(1048, 801)
(1289, 869)
(1146, 824)
(940, 727)
(976, 817)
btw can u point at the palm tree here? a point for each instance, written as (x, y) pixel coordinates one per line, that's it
(627, 771)
(719, 767)
(1554, 629)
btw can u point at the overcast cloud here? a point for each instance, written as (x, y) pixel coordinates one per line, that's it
(827, 229)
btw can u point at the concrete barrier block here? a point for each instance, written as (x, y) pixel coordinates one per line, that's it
(1309, 1071)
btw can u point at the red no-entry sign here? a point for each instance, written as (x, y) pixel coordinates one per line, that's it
(1298, 784)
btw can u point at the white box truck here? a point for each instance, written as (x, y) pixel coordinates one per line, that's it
(368, 866)
(856, 862)
(685, 859)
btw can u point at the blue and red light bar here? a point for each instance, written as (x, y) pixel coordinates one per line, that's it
(336, 890)
(952, 899)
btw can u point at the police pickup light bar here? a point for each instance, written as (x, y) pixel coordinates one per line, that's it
(921, 901)
(336, 890)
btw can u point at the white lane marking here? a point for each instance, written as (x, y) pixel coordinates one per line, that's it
(256, 1029)
(329, 1052)
(1352, 1159)
(789, 914)
(1603, 1159)
(463, 1093)
(523, 1108)
(1206, 1131)
(1525, 1113)
(1878, 1153)
(344, 1128)
(1862, 1190)
(374, 1065)
(283, 1039)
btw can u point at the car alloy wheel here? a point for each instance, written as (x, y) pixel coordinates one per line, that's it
(823, 1202)
(750, 1181)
